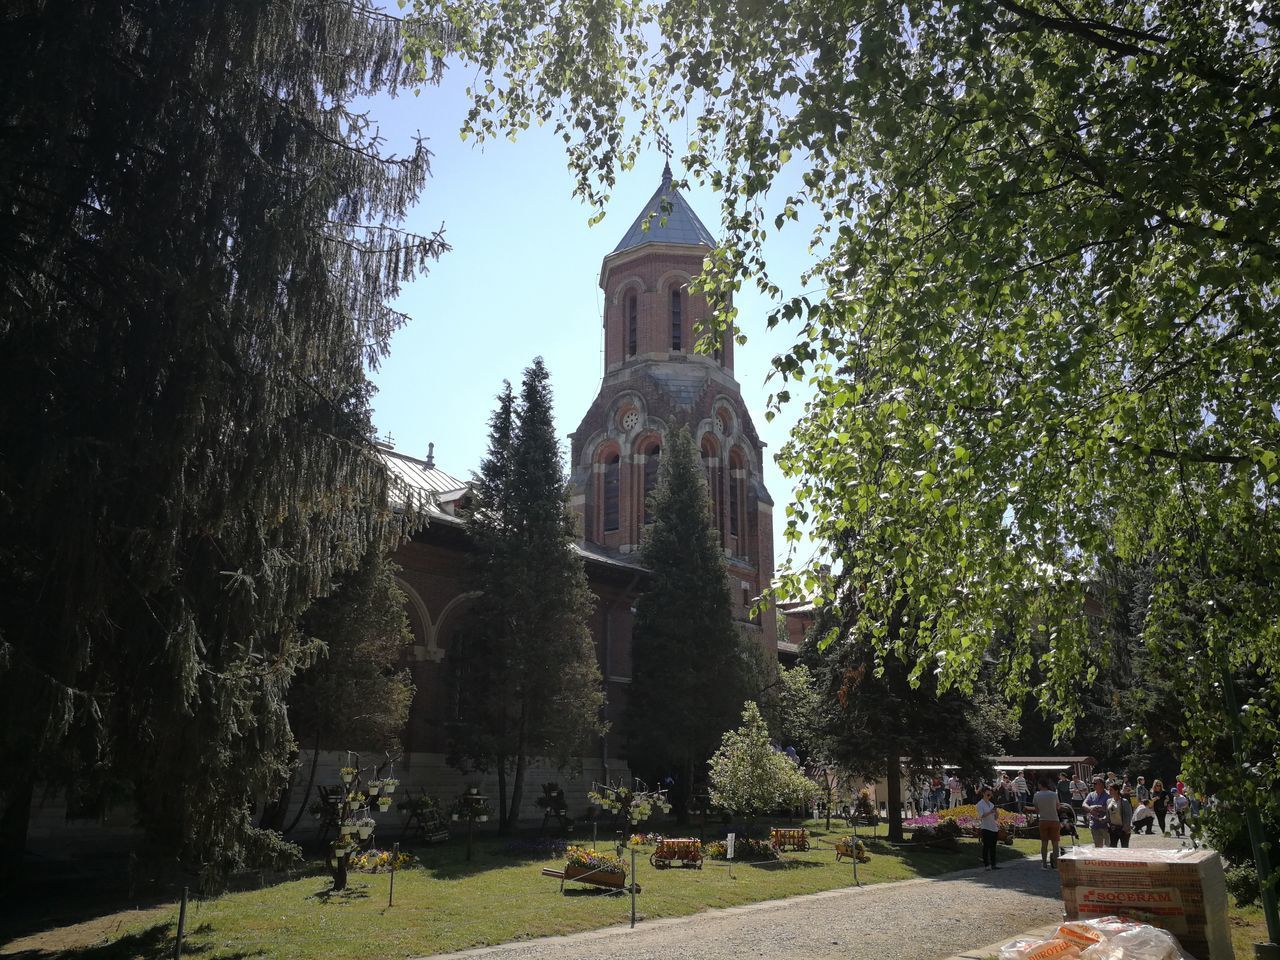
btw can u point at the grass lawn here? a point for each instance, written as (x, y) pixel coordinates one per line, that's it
(447, 904)
(1248, 927)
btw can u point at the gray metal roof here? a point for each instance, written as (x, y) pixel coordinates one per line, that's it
(670, 220)
(420, 476)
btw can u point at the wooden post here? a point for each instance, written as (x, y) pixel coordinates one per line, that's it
(633, 886)
(395, 855)
(182, 923)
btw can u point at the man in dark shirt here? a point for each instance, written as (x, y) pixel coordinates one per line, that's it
(1064, 789)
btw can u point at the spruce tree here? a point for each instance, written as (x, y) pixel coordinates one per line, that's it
(200, 240)
(529, 682)
(691, 669)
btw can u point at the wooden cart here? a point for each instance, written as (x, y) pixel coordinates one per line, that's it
(783, 839)
(685, 849)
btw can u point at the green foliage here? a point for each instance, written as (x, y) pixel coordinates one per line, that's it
(691, 669)
(526, 673)
(798, 707)
(1046, 236)
(200, 249)
(1242, 883)
(749, 776)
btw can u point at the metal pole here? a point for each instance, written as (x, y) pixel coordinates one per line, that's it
(471, 826)
(633, 887)
(594, 840)
(395, 855)
(182, 923)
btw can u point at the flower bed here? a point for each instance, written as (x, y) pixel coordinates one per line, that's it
(372, 861)
(646, 839)
(685, 849)
(745, 849)
(966, 818)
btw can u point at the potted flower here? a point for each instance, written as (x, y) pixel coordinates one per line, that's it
(365, 827)
(348, 774)
(347, 829)
(389, 785)
(384, 804)
(374, 787)
(481, 811)
(473, 790)
(342, 847)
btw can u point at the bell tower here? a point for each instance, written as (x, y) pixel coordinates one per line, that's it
(654, 380)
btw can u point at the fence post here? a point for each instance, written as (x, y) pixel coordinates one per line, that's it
(395, 855)
(633, 886)
(182, 922)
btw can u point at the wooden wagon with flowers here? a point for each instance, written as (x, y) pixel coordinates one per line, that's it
(670, 849)
(783, 839)
(590, 866)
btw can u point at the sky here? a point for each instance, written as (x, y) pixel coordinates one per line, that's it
(522, 280)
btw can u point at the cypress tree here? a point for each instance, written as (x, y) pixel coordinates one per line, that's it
(691, 669)
(529, 683)
(198, 248)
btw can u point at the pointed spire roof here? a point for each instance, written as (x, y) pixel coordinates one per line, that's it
(670, 219)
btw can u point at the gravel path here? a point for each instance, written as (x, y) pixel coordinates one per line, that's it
(920, 919)
(909, 920)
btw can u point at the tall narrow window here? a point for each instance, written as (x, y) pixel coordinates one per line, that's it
(677, 321)
(632, 324)
(711, 464)
(650, 480)
(735, 500)
(610, 494)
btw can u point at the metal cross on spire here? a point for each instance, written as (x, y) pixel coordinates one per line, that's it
(664, 146)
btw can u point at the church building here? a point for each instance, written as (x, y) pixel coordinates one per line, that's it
(654, 380)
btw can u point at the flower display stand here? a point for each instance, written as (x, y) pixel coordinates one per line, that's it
(599, 878)
(685, 849)
(783, 839)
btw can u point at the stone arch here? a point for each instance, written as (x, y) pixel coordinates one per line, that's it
(648, 451)
(631, 283)
(425, 633)
(451, 611)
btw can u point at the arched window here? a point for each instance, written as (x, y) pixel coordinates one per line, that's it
(711, 464)
(677, 319)
(737, 492)
(609, 493)
(651, 456)
(633, 311)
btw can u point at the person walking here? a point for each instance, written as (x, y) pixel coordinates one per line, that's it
(1160, 804)
(956, 789)
(1045, 806)
(1119, 818)
(1181, 813)
(1078, 791)
(990, 831)
(1064, 789)
(1021, 790)
(1143, 791)
(1095, 805)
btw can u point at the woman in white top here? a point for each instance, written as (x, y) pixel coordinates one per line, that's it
(990, 831)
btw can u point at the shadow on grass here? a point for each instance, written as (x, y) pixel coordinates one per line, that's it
(776, 865)
(355, 890)
(153, 943)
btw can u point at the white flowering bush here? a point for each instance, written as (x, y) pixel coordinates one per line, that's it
(749, 776)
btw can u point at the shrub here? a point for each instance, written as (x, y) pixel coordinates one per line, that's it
(1242, 883)
(744, 848)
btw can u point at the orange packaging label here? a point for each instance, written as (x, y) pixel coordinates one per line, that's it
(1159, 907)
(1053, 950)
(1079, 934)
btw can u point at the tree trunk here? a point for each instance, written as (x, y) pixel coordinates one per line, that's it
(517, 793)
(275, 810)
(894, 797)
(686, 792)
(504, 812)
(15, 815)
(311, 779)
(338, 870)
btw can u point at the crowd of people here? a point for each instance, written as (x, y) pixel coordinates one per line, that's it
(1110, 806)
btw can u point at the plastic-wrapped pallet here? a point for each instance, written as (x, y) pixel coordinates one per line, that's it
(1182, 891)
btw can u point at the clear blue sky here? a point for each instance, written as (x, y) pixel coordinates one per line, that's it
(522, 281)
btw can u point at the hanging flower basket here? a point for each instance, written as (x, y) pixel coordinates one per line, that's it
(365, 828)
(348, 829)
(384, 804)
(483, 818)
(389, 785)
(348, 774)
(374, 787)
(453, 816)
